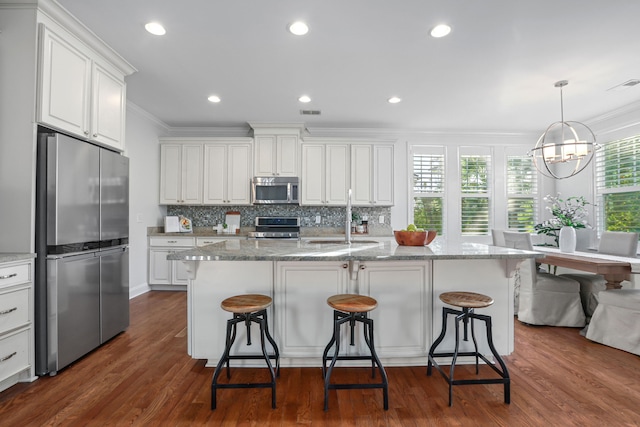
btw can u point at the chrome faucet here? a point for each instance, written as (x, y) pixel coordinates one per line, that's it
(347, 222)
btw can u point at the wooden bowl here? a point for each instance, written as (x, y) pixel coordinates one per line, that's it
(414, 238)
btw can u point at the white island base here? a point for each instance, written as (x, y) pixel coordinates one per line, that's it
(407, 320)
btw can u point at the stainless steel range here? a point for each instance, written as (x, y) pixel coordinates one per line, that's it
(276, 228)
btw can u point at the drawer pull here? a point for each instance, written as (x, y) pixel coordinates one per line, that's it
(8, 357)
(172, 241)
(8, 276)
(8, 311)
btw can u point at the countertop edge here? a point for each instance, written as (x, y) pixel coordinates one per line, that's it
(15, 256)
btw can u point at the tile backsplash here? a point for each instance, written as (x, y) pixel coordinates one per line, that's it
(331, 217)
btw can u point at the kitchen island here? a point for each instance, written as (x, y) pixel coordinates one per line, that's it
(301, 275)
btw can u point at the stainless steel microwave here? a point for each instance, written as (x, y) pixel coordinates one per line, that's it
(280, 190)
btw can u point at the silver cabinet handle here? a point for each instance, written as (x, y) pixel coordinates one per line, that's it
(172, 241)
(345, 265)
(8, 276)
(8, 311)
(95, 135)
(8, 357)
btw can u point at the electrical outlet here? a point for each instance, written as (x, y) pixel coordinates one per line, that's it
(318, 219)
(139, 217)
(381, 219)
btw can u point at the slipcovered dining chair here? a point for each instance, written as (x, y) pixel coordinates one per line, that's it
(544, 299)
(611, 243)
(615, 320)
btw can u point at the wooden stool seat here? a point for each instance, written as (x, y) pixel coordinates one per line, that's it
(352, 303)
(249, 303)
(466, 299)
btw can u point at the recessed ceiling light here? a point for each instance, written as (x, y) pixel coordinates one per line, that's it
(304, 98)
(214, 98)
(440, 30)
(299, 28)
(394, 100)
(155, 29)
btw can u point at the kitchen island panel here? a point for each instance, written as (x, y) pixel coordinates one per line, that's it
(207, 323)
(484, 276)
(402, 320)
(303, 318)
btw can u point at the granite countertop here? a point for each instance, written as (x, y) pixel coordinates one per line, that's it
(291, 250)
(15, 256)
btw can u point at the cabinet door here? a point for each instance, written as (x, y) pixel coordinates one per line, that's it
(313, 175)
(65, 84)
(215, 174)
(159, 267)
(107, 108)
(337, 174)
(179, 275)
(402, 320)
(192, 178)
(287, 155)
(304, 321)
(362, 174)
(265, 155)
(170, 174)
(383, 175)
(238, 174)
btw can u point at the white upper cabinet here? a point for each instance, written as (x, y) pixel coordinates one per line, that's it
(372, 174)
(325, 174)
(276, 155)
(181, 174)
(79, 92)
(227, 173)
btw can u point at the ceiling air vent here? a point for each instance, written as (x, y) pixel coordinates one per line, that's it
(627, 84)
(310, 112)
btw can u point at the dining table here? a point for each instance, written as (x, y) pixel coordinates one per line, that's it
(614, 269)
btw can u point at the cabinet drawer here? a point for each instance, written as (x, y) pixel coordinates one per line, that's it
(203, 241)
(14, 274)
(14, 309)
(172, 241)
(14, 354)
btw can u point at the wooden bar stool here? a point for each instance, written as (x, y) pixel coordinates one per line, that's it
(468, 301)
(352, 308)
(246, 309)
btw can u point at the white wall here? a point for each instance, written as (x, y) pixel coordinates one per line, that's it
(142, 132)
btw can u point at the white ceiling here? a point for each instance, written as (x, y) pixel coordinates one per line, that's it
(494, 72)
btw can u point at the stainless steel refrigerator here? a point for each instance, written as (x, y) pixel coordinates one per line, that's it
(82, 264)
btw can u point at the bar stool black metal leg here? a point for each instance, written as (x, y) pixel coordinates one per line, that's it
(438, 340)
(224, 360)
(475, 344)
(328, 347)
(327, 378)
(273, 343)
(374, 357)
(497, 358)
(262, 321)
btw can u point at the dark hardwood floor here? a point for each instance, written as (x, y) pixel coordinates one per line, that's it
(144, 377)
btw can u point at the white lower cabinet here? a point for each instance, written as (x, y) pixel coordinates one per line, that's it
(402, 320)
(304, 321)
(16, 323)
(207, 322)
(165, 274)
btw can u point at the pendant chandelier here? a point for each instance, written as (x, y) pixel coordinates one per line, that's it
(565, 148)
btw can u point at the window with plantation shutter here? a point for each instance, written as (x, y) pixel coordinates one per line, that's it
(428, 187)
(618, 185)
(475, 170)
(522, 189)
